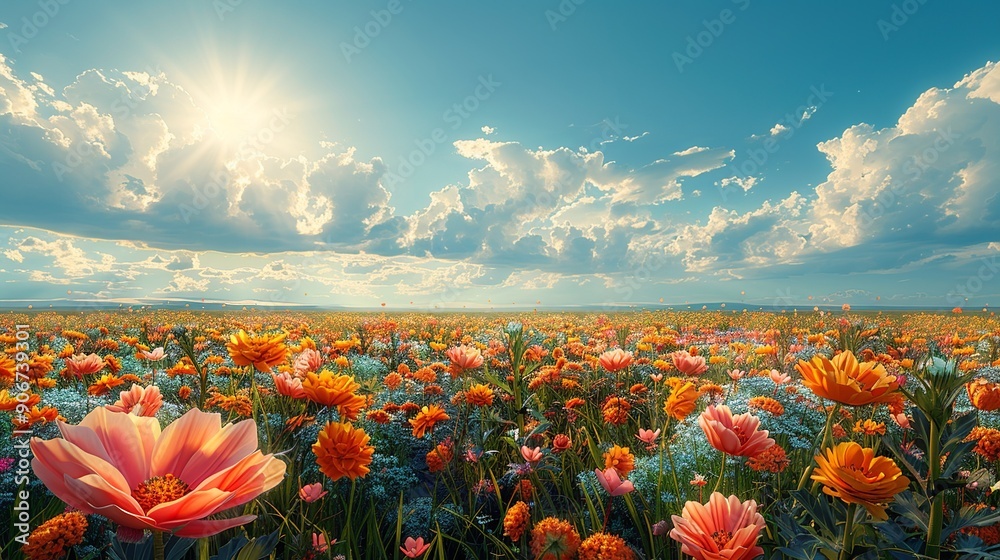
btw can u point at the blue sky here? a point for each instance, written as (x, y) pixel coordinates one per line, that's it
(484, 154)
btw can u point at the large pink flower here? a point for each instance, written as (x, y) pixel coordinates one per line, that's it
(140, 401)
(464, 357)
(722, 529)
(688, 364)
(735, 435)
(288, 386)
(122, 467)
(615, 359)
(79, 365)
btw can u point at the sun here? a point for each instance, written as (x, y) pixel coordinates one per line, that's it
(239, 121)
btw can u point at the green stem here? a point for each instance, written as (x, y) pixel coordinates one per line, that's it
(827, 440)
(203, 549)
(158, 553)
(722, 473)
(848, 548)
(933, 548)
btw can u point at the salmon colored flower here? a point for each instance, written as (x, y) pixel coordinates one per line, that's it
(124, 468)
(312, 492)
(984, 395)
(554, 539)
(426, 419)
(602, 546)
(56, 537)
(80, 365)
(140, 401)
(688, 364)
(733, 435)
(334, 390)
(532, 455)
(342, 451)
(779, 378)
(154, 355)
(463, 358)
(413, 548)
(263, 352)
(613, 483)
(309, 360)
(516, 520)
(648, 436)
(479, 395)
(615, 359)
(288, 386)
(560, 443)
(846, 381)
(857, 476)
(722, 529)
(681, 401)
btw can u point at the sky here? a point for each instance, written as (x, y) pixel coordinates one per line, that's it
(534, 153)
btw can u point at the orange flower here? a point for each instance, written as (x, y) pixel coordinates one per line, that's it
(263, 352)
(615, 411)
(104, 385)
(984, 395)
(869, 428)
(681, 401)
(342, 450)
(462, 358)
(724, 528)
(379, 416)
(140, 401)
(857, 476)
(560, 443)
(393, 380)
(54, 538)
(554, 539)
(846, 381)
(334, 390)
(426, 419)
(734, 435)
(170, 481)
(184, 392)
(479, 395)
(987, 442)
(516, 520)
(439, 457)
(773, 459)
(768, 404)
(620, 459)
(602, 546)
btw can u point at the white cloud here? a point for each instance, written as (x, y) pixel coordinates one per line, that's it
(487, 130)
(14, 255)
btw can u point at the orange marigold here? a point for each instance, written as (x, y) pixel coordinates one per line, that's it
(554, 539)
(574, 402)
(984, 395)
(602, 546)
(53, 539)
(768, 404)
(393, 380)
(479, 395)
(620, 459)
(439, 457)
(869, 428)
(334, 390)
(987, 442)
(379, 416)
(104, 385)
(516, 520)
(263, 352)
(342, 450)
(426, 419)
(615, 411)
(773, 459)
(425, 374)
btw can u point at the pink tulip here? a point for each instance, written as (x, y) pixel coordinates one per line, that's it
(648, 436)
(413, 548)
(780, 378)
(464, 357)
(80, 365)
(312, 492)
(733, 435)
(138, 401)
(688, 364)
(153, 355)
(308, 361)
(319, 543)
(736, 374)
(612, 483)
(615, 359)
(532, 456)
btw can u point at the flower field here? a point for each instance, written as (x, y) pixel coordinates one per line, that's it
(707, 435)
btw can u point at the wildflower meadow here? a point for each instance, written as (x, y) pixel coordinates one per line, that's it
(653, 434)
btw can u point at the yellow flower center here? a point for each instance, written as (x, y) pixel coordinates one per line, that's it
(159, 490)
(721, 538)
